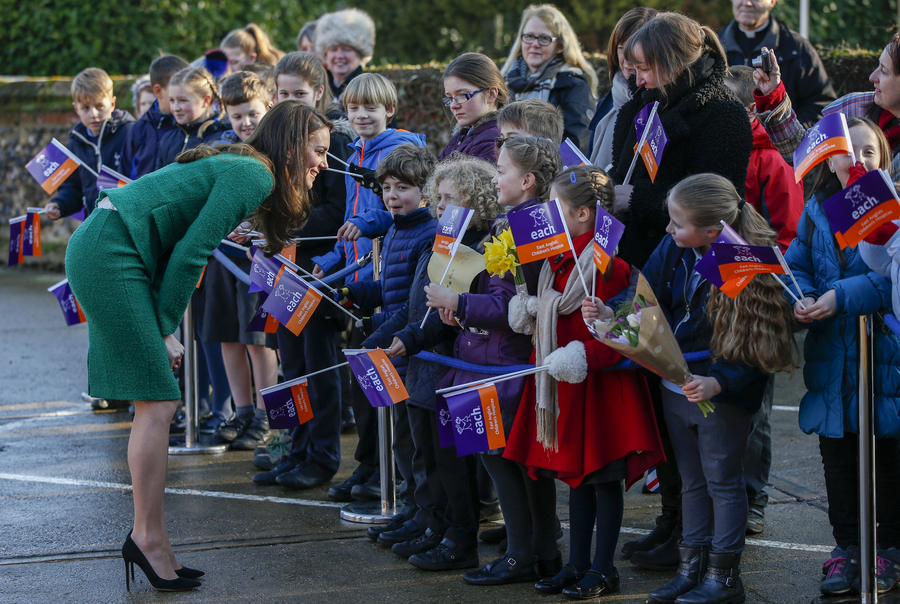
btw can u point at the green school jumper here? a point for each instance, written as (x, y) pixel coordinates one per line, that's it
(133, 270)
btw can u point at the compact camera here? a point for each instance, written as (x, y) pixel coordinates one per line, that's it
(763, 61)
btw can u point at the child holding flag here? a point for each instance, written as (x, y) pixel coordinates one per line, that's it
(748, 337)
(97, 140)
(525, 168)
(838, 287)
(605, 432)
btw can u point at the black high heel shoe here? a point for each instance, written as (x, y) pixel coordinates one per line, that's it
(132, 555)
(189, 573)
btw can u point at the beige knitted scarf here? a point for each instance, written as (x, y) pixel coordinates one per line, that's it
(552, 304)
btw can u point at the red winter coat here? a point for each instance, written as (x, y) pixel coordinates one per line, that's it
(771, 188)
(604, 418)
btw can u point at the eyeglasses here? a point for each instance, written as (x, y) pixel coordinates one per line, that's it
(460, 98)
(502, 139)
(541, 40)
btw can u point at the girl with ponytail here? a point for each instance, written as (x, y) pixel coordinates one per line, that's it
(592, 428)
(249, 45)
(747, 338)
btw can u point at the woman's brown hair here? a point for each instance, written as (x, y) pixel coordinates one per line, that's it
(280, 141)
(252, 39)
(630, 22)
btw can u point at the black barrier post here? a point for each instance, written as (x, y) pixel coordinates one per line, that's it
(867, 548)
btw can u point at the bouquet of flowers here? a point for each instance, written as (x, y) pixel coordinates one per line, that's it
(639, 331)
(500, 257)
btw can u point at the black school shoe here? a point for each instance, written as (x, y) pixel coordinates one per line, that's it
(503, 571)
(305, 476)
(270, 478)
(258, 434)
(447, 555)
(233, 428)
(569, 575)
(373, 532)
(494, 535)
(428, 541)
(593, 585)
(407, 532)
(342, 491)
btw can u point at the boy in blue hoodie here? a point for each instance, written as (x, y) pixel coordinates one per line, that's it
(370, 101)
(97, 140)
(139, 154)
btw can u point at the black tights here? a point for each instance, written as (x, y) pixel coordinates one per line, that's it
(605, 503)
(529, 509)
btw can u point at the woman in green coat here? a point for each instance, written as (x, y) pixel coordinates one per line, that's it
(133, 266)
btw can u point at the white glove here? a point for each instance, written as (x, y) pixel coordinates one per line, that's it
(568, 364)
(522, 313)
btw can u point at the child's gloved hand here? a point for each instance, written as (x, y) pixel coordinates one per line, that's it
(365, 325)
(343, 296)
(568, 364)
(522, 313)
(856, 170)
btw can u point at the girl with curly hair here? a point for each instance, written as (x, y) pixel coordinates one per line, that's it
(446, 501)
(748, 338)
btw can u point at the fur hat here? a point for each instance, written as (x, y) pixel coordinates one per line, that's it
(351, 27)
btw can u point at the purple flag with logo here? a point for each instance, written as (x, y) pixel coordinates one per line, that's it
(377, 377)
(53, 165)
(737, 260)
(451, 228)
(287, 404)
(862, 207)
(475, 420)
(571, 155)
(707, 266)
(264, 272)
(16, 241)
(654, 145)
(539, 232)
(107, 178)
(292, 302)
(608, 232)
(830, 136)
(70, 307)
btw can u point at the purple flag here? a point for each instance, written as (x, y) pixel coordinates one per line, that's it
(53, 165)
(445, 422)
(292, 302)
(571, 155)
(539, 232)
(830, 136)
(451, 227)
(740, 260)
(108, 178)
(476, 422)
(16, 241)
(31, 232)
(654, 145)
(608, 232)
(287, 404)
(264, 272)
(862, 207)
(70, 307)
(377, 377)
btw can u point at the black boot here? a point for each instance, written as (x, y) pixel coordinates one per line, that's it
(691, 568)
(655, 538)
(720, 585)
(662, 557)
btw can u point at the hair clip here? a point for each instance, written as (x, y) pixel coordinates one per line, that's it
(572, 177)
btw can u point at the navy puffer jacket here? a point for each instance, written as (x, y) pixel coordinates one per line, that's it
(187, 137)
(139, 155)
(407, 239)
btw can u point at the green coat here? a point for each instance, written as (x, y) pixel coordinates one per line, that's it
(133, 271)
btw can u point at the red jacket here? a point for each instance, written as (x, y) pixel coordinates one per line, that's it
(771, 188)
(604, 418)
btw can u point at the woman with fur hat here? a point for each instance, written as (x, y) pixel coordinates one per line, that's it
(345, 41)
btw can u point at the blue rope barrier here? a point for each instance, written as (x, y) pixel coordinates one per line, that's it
(892, 323)
(453, 363)
(231, 266)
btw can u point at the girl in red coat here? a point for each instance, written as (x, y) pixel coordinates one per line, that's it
(592, 429)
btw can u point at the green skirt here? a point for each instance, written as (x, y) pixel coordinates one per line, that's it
(127, 357)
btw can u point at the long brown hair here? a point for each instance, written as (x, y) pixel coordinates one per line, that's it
(754, 328)
(252, 39)
(280, 142)
(479, 71)
(630, 22)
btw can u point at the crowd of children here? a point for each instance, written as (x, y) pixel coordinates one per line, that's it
(596, 428)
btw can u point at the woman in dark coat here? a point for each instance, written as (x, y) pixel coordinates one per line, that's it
(546, 63)
(134, 264)
(681, 65)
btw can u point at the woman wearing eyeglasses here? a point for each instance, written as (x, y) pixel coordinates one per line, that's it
(474, 92)
(546, 63)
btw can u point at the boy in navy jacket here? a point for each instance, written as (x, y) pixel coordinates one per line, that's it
(97, 141)
(139, 154)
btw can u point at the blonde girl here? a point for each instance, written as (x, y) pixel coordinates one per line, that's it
(546, 62)
(748, 337)
(248, 45)
(194, 102)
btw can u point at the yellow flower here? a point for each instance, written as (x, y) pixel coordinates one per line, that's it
(506, 239)
(498, 259)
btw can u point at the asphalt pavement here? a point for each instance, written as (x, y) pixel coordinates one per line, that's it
(65, 504)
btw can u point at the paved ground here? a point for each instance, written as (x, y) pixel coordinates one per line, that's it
(65, 505)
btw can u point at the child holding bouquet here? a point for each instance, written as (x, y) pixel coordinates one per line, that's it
(590, 428)
(748, 337)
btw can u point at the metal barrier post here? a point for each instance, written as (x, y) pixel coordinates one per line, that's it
(379, 512)
(192, 445)
(867, 548)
